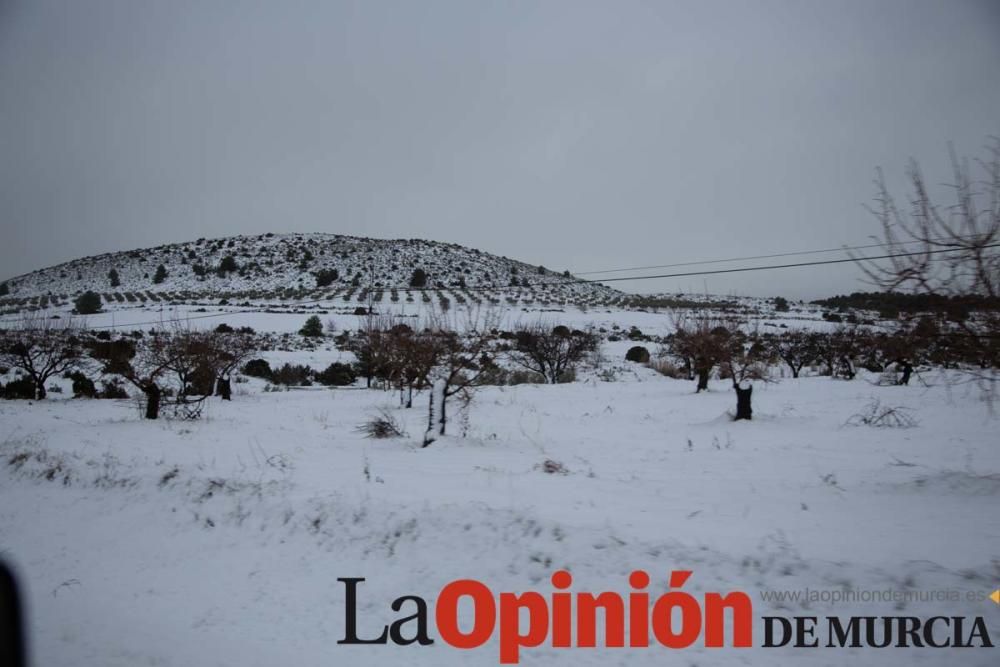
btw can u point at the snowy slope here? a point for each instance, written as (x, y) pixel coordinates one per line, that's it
(283, 263)
(219, 542)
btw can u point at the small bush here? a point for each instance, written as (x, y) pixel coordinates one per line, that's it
(313, 328)
(567, 376)
(881, 416)
(112, 389)
(336, 375)
(257, 368)
(293, 375)
(525, 377)
(21, 389)
(551, 467)
(88, 303)
(668, 369)
(325, 277)
(83, 386)
(419, 278)
(383, 425)
(227, 265)
(638, 354)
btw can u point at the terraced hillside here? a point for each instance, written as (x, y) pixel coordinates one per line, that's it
(295, 266)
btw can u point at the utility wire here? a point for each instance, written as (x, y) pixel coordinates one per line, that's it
(788, 266)
(753, 257)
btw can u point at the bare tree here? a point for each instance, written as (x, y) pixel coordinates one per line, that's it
(551, 351)
(231, 349)
(795, 348)
(463, 353)
(40, 348)
(950, 250)
(143, 364)
(701, 342)
(744, 357)
(373, 347)
(415, 354)
(190, 363)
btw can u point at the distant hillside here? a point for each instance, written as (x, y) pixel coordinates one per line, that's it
(291, 265)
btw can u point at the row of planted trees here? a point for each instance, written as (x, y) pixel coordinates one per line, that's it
(174, 363)
(449, 355)
(453, 357)
(703, 344)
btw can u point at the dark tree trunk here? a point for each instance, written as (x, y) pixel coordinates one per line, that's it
(40, 390)
(907, 371)
(444, 401)
(702, 380)
(429, 433)
(224, 389)
(743, 409)
(152, 401)
(409, 397)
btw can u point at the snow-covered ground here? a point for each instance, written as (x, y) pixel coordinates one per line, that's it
(220, 541)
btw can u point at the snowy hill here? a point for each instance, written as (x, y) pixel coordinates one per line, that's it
(291, 265)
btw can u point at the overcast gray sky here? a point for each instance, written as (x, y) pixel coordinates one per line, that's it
(579, 135)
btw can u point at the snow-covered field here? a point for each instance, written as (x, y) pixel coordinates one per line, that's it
(220, 541)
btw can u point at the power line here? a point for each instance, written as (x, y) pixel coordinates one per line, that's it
(753, 257)
(786, 266)
(741, 259)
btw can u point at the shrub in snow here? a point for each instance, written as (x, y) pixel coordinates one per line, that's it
(336, 375)
(87, 303)
(638, 354)
(882, 416)
(227, 265)
(83, 386)
(112, 389)
(293, 375)
(383, 425)
(257, 368)
(22, 388)
(418, 278)
(551, 467)
(313, 328)
(325, 277)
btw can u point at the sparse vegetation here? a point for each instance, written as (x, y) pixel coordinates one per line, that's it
(381, 426)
